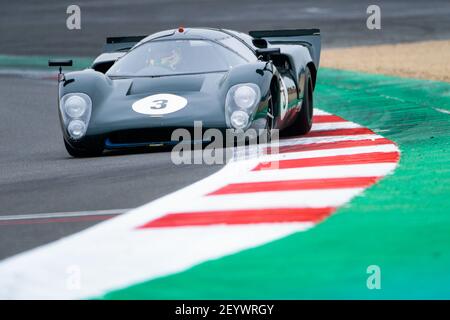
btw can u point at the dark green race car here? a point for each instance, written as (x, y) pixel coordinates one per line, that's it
(141, 89)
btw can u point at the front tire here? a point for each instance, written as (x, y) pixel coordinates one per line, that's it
(303, 123)
(91, 151)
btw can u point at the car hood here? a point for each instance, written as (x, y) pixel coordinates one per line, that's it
(203, 96)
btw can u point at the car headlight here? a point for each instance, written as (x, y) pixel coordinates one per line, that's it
(75, 106)
(239, 119)
(76, 129)
(76, 111)
(245, 97)
(241, 102)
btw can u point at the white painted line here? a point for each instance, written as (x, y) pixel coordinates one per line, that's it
(267, 200)
(329, 152)
(341, 171)
(62, 214)
(319, 112)
(311, 140)
(334, 126)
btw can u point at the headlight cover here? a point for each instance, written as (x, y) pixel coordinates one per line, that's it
(241, 98)
(76, 111)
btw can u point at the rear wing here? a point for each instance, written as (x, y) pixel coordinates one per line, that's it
(114, 44)
(309, 38)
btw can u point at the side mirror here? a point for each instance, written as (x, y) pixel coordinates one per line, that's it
(265, 53)
(60, 64)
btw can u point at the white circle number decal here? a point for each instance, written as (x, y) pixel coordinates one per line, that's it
(159, 104)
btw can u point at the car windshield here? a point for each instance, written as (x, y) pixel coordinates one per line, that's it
(173, 57)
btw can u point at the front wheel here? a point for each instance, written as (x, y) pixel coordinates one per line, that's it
(91, 151)
(303, 122)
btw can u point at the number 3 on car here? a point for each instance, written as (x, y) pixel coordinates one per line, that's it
(159, 104)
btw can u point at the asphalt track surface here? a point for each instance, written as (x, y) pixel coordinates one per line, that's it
(36, 174)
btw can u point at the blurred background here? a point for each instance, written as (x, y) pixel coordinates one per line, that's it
(39, 27)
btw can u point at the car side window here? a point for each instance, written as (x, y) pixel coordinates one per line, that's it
(239, 47)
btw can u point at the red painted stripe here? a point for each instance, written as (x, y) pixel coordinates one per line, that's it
(361, 158)
(327, 118)
(56, 220)
(240, 217)
(338, 132)
(290, 185)
(331, 145)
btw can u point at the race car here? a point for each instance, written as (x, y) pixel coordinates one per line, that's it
(142, 88)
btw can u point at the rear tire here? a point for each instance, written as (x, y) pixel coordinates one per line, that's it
(303, 123)
(91, 151)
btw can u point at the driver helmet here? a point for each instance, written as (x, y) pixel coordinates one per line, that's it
(167, 58)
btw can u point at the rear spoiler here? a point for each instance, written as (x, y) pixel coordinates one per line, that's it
(114, 44)
(306, 37)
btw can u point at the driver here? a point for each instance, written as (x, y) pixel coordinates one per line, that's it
(166, 58)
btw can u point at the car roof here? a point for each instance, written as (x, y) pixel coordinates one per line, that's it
(199, 33)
